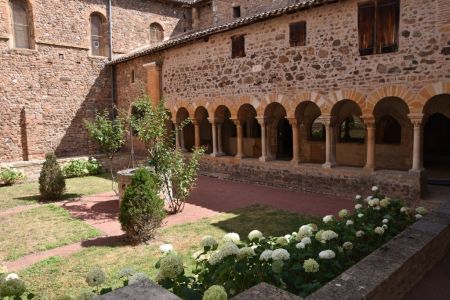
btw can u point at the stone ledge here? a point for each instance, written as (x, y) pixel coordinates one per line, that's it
(143, 290)
(266, 291)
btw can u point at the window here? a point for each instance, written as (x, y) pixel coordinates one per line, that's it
(378, 25)
(98, 35)
(20, 20)
(238, 46)
(297, 34)
(156, 33)
(317, 131)
(388, 131)
(133, 76)
(351, 130)
(236, 12)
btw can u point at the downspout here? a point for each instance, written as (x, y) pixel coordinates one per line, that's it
(110, 57)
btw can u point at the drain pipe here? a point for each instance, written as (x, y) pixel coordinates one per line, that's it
(110, 57)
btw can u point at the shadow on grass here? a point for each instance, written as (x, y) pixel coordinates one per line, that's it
(37, 197)
(108, 241)
(104, 210)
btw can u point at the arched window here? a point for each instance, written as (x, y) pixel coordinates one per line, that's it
(156, 33)
(351, 130)
(21, 24)
(317, 131)
(98, 35)
(388, 131)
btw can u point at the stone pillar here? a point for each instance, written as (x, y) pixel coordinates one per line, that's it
(197, 134)
(240, 141)
(219, 140)
(153, 87)
(330, 142)
(417, 164)
(177, 136)
(370, 160)
(195, 18)
(295, 141)
(263, 124)
(182, 146)
(214, 137)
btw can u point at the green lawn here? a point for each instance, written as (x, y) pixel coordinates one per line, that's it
(28, 193)
(58, 276)
(42, 228)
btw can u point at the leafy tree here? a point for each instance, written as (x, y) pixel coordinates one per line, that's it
(177, 173)
(110, 136)
(51, 180)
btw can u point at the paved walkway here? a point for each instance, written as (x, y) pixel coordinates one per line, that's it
(211, 197)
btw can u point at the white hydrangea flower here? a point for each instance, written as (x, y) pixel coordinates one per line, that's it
(418, 216)
(374, 202)
(171, 266)
(368, 198)
(359, 233)
(328, 235)
(358, 197)
(404, 209)
(209, 241)
(266, 255)
(245, 252)
(385, 227)
(282, 241)
(288, 237)
(227, 249)
(313, 226)
(360, 215)
(305, 231)
(300, 245)
(379, 230)
(347, 246)
(374, 189)
(328, 218)
(12, 276)
(166, 248)
(255, 235)
(231, 237)
(306, 240)
(349, 223)
(385, 221)
(343, 213)
(200, 256)
(358, 206)
(327, 254)
(421, 210)
(311, 266)
(377, 208)
(385, 202)
(280, 254)
(215, 258)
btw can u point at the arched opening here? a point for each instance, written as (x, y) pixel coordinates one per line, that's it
(312, 133)
(436, 148)
(99, 39)
(349, 133)
(251, 132)
(156, 33)
(279, 133)
(187, 139)
(393, 134)
(22, 24)
(201, 116)
(226, 132)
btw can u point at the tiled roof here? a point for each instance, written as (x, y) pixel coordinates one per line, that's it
(191, 36)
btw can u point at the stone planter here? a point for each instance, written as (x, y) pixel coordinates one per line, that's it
(124, 179)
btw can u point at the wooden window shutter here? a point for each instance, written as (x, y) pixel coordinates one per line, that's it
(366, 25)
(387, 26)
(238, 46)
(297, 34)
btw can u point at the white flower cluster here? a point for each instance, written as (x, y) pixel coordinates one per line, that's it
(12, 276)
(327, 254)
(305, 231)
(358, 206)
(282, 241)
(358, 197)
(343, 213)
(171, 266)
(385, 202)
(349, 223)
(245, 252)
(209, 241)
(328, 235)
(421, 210)
(255, 235)
(166, 248)
(347, 246)
(306, 240)
(280, 254)
(231, 237)
(300, 245)
(266, 255)
(311, 266)
(360, 233)
(328, 219)
(375, 189)
(227, 249)
(379, 230)
(374, 202)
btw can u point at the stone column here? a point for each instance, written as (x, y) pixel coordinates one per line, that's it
(195, 18)
(219, 140)
(214, 137)
(177, 136)
(240, 141)
(153, 81)
(182, 146)
(417, 164)
(370, 160)
(263, 157)
(330, 142)
(295, 141)
(197, 133)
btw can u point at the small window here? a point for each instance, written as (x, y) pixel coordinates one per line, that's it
(317, 131)
(238, 46)
(388, 131)
(297, 34)
(98, 35)
(378, 25)
(21, 26)
(133, 76)
(236, 12)
(156, 33)
(351, 130)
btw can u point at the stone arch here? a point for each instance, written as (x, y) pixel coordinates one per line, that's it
(428, 92)
(202, 103)
(386, 91)
(302, 97)
(246, 114)
(274, 98)
(345, 94)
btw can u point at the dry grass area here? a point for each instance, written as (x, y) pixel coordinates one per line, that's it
(65, 276)
(28, 193)
(42, 228)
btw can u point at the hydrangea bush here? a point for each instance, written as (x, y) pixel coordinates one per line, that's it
(81, 168)
(9, 176)
(300, 262)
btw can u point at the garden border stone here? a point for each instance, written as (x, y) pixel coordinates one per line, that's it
(142, 290)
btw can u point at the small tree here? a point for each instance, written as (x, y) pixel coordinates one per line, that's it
(51, 180)
(142, 209)
(177, 173)
(110, 136)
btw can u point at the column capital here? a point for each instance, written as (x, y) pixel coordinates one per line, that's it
(262, 121)
(293, 121)
(416, 119)
(237, 122)
(195, 121)
(327, 120)
(213, 121)
(369, 121)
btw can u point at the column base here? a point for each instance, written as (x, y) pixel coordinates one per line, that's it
(214, 154)
(369, 168)
(416, 170)
(295, 161)
(238, 156)
(328, 165)
(221, 154)
(265, 159)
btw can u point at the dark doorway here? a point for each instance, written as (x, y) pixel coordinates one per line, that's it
(437, 142)
(284, 140)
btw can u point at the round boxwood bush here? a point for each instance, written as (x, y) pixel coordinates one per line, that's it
(142, 209)
(51, 180)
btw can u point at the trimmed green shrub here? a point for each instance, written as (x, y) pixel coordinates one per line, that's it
(10, 176)
(142, 209)
(81, 168)
(51, 180)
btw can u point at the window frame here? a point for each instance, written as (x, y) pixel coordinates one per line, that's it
(103, 48)
(238, 46)
(237, 12)
(156, 33)
(297, 34)
(28, 26)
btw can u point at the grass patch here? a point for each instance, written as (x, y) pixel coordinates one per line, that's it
(28, 193)
(59, 276)
(42, 228)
